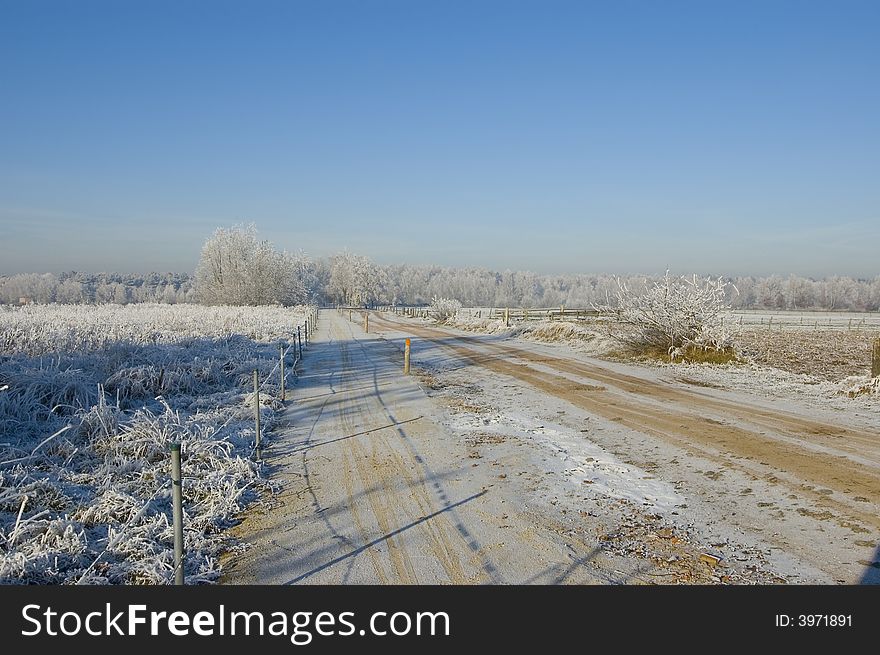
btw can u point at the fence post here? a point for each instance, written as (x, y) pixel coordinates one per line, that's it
(307, 331)
(281, 347)
(875, 359)
(177, 513)
(366, 322)
(257, 410)
(300, 337)
(507, 317)
(406, 358)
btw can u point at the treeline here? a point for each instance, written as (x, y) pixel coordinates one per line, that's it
(354, 280)
(474, 287)
(237, 268)
(96, 288)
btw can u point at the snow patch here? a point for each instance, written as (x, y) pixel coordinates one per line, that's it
(587, 465)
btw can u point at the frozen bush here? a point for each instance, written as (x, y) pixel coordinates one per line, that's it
(444, 309)
(675, 315)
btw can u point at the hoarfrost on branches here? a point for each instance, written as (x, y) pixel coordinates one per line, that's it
(444, 309)
(236, 268)
(674, 314)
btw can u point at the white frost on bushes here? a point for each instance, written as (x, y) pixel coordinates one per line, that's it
(673, 314)
(85, 431)
(444, 309)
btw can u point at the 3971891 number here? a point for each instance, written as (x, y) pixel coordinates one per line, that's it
(824, 620)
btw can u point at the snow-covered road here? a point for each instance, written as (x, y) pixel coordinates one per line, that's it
(378, 491)
(502, 460)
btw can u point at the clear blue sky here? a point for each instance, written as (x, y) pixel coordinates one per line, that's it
(718, 137)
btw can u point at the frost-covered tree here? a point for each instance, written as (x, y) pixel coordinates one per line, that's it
(355, 280)
(236, 268)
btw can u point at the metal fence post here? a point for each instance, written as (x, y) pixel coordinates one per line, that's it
(281, 347)
(177, 513)
(257, 410)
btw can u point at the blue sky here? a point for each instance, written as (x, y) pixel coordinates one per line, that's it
(716, 137)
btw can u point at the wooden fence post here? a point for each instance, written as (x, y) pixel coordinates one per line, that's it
(507, 317)
(875, 359)
(366, 322)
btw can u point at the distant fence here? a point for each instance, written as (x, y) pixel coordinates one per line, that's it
(793, 320)
(799, 320)
(531, 314)
(818, 320)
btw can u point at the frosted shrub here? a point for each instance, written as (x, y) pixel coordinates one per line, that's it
(444, 309)
(676, 315)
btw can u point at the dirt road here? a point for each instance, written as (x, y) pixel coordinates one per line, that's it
(507, 461)
(376, 491)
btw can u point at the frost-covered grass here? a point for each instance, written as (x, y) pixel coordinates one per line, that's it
(91, 398)
(582, 336)
(41, 329)
(828, 354)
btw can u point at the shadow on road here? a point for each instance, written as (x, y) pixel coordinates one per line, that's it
(378, 540)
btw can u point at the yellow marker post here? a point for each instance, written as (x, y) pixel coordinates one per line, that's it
(406, 358)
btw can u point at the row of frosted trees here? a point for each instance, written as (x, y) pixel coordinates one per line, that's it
(238, 268)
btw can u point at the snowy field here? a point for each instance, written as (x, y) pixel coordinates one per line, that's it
(806, 320)
(90, 399)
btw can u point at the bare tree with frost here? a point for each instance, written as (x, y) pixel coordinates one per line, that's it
(674, 314)
(355, 280)
(444, 309)
(236, 268)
